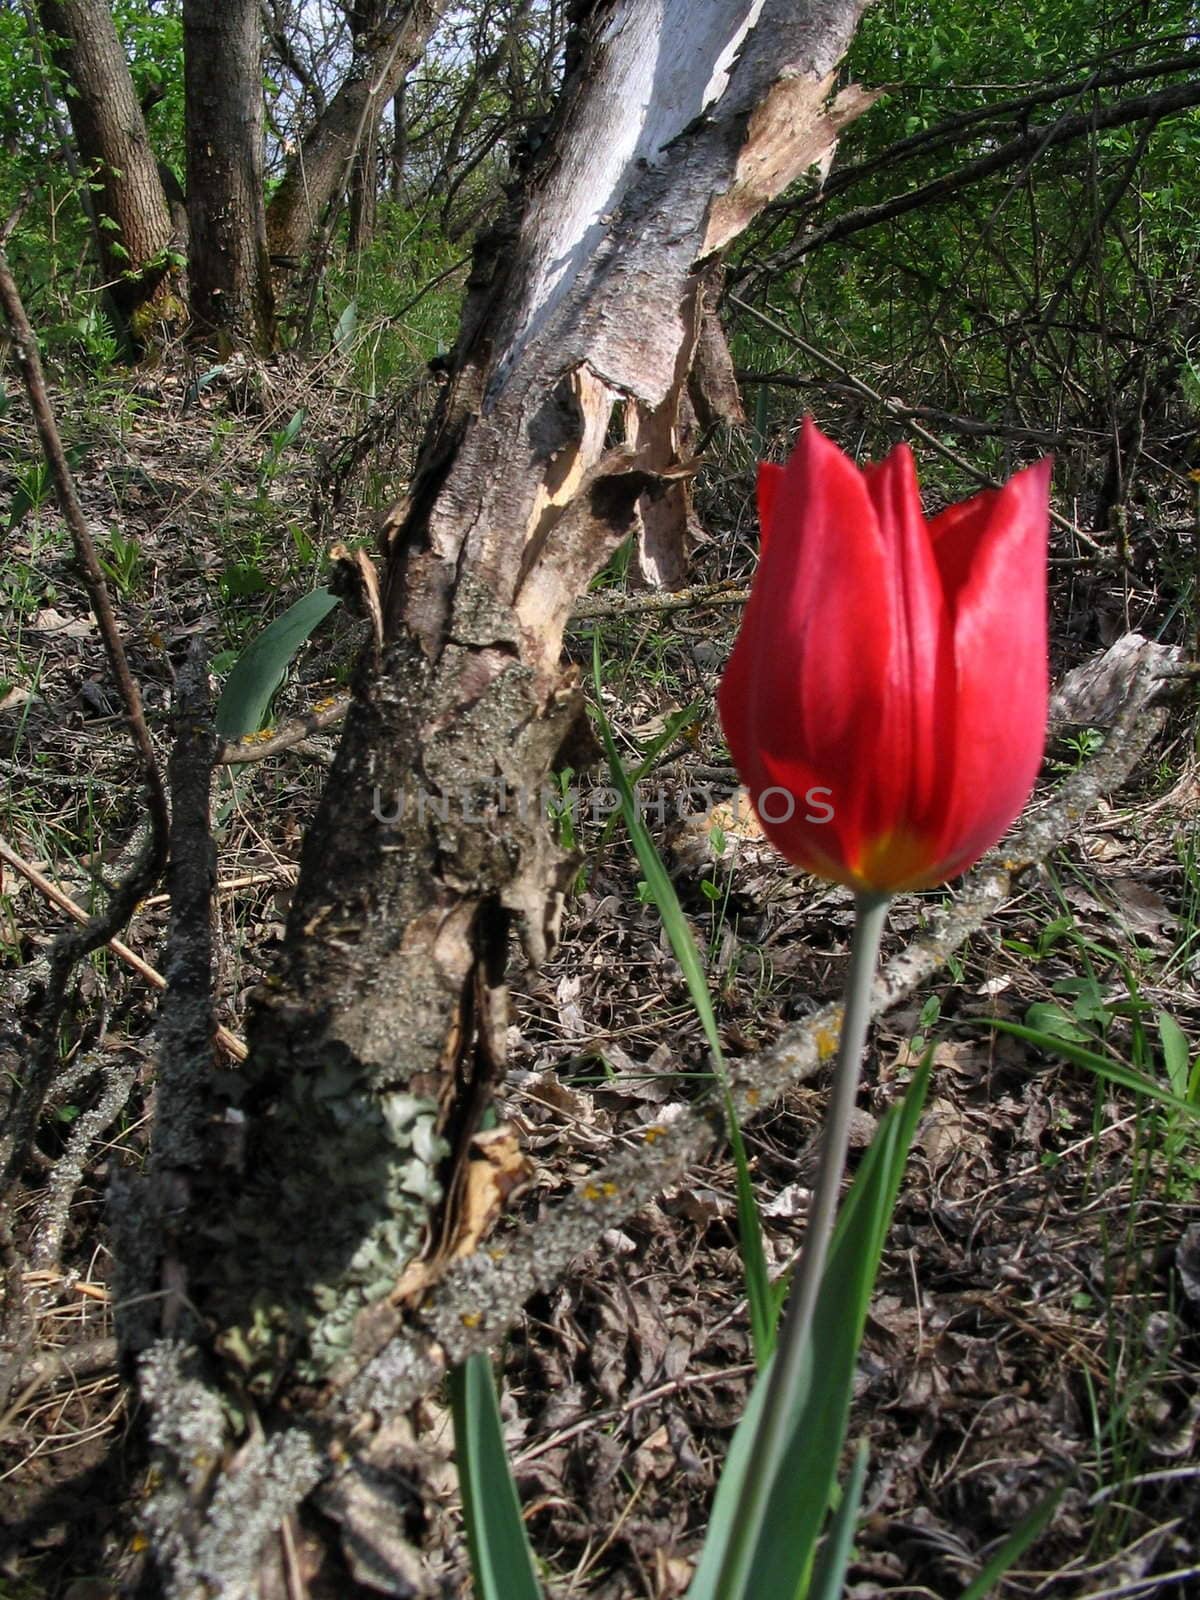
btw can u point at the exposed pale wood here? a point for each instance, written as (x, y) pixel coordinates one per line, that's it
(375, 1047)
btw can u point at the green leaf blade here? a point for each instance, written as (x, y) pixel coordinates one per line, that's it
(501, 1559)
(259, 670)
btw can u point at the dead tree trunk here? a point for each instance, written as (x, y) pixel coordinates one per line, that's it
(320, 170)
(133, 221)
(291, 1200)
(227, 252)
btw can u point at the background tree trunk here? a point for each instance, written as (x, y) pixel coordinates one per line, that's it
(399, 150)
(134, 230)
(318, 174)
(229, 270)
(365, 17)
(375, 1046)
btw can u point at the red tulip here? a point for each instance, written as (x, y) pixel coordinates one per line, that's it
(885, 703)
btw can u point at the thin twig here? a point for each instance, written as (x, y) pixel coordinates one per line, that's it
(258, 746)
(693, 599)
(25, 344)
(71, 946)
(57, 896)
(97, 1358)
(897, 409)
(1028, 146)
(67, 1172)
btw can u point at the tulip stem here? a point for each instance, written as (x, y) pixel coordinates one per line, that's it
(791, 1360)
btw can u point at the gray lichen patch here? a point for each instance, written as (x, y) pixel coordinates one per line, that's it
(326, 1224)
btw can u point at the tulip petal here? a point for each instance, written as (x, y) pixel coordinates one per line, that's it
(992, 552)
(918, 713)
(885, 702)
(809, 668)
(770, 476)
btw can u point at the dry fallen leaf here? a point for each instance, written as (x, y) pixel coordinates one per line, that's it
(50, 621)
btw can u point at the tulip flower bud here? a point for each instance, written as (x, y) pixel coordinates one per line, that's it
(895, 668)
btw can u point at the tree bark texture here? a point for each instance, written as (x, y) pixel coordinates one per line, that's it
(366, 16)
(227, 253)
(134, 229)
(399, 149)
(384, 54)
(340, 1152)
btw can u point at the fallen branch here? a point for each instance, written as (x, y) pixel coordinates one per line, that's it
(482, 1297)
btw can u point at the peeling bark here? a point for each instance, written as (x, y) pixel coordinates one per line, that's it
(376, 1044)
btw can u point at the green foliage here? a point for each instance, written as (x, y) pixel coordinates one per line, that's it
(399, 322)
(281, 442)
(153, 40)
(786, 1541)
(123, 563)
(1030, 299)
(500, 1557)
(260, 668)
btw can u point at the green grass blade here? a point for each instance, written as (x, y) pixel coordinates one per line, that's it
(650, 754)
(804, 1488)
(1176, 1054)
(501, 1559)
(661, 888)
(258, 671)
(763, 1302)
(1102, 1066)
(829, 1575)
(807, 1476)
(1013, 1548)
(763, 1307)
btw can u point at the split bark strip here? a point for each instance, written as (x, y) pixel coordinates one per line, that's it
(71, 946)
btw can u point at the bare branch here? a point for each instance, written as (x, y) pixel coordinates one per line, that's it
(897, 409)
(980, 120)
(1029, 146)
